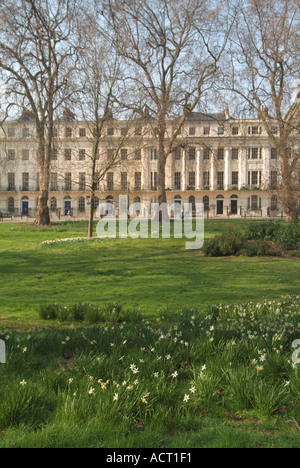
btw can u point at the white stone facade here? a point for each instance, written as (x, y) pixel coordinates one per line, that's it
(228, 164)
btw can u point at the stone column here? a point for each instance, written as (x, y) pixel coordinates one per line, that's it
(243, 177)
(227, 169)
(198, 168)
(183, 169)
(213, 171)
(266, 168)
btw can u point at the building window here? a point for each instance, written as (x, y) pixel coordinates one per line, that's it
(53, 181)
(254, 130)
(25, 181)
(220, 180)
(235, 130)
(192, 202)
(82, 181)
(274, 153)
(53, 204)
(81, 204)
(254, 178)
(153, 180)
(235, 178)
(124, 154)
(68, 181)
(153, 154)
(206, 154)
(11, 155)
(124, 131)
(138, 131)
(11, 181)
(110, 131)
(274, 203)
(254, 153)
(192, 154)
(124, 184)
(235, 154)
(137, 180)
(220, 154)
(82, 132)
(96, 203)
(206, 179)
(206, 203)
(254, 203)
(206, 131)
(192, 131)
(177, 181)
(221, 131)
(192, 180)
(110, 181)
(11, 205)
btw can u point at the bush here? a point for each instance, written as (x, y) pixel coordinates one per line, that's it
(288, 237)
(229, 243)
(285, 235)
(265, 230)
(258, 248)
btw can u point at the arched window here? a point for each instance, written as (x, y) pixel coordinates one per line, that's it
(109, 199)
(81, 204)
(192, 202)
(137, 200)
(11, 205)
(206, 203)
(53, 203)
(96, 203)
(254, 203)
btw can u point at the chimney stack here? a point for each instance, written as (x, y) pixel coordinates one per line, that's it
(227, 116)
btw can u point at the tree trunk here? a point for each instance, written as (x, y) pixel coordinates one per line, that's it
(161, 186)
(91, 215)
(289, 194)
(43, 212)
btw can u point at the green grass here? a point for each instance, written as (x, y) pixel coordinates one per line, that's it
(247, 395)
(183, 380)
(141, 273)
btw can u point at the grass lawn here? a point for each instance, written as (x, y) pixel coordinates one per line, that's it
(143, 273)
(173, 370)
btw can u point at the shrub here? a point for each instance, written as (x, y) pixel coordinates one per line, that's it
(285, 235)
(229, 243)
(288, 237)
(258, 248)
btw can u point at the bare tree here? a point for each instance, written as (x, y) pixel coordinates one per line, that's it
(99, 69)
(37, 57)
(264, 57)
(171, 51)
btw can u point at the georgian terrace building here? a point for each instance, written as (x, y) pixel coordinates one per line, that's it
(225, 163)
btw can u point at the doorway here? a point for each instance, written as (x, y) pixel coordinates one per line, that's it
(220, 207)
(234, 207)
(25, 208)
(68, 207)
